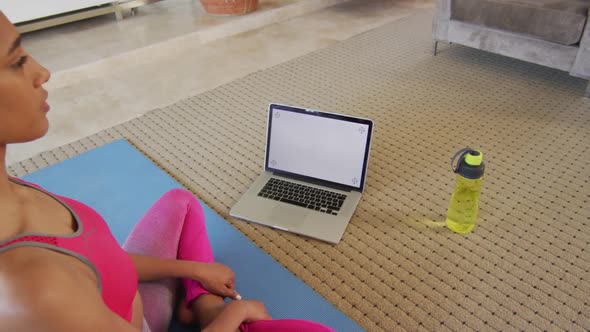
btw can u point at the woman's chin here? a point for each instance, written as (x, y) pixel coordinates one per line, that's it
(33, 135)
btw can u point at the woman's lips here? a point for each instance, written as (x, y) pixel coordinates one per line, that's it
(45, 107)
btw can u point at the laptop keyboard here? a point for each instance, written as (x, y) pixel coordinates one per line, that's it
(304, 196)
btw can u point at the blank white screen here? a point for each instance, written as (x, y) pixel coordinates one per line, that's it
(318, 147)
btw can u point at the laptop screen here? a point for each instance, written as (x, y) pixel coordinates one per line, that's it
(318, 145)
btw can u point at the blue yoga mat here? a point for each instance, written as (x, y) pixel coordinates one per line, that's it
(121, 184)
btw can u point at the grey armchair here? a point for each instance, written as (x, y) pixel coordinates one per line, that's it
(552, 33)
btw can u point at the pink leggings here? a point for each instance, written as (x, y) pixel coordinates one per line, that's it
(174, 228)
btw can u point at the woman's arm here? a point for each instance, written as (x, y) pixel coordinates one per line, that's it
(215, 277)
(152, 268)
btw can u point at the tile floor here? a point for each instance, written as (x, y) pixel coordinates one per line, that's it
(105, 72)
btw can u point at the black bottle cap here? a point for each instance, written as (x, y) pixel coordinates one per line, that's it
(470, 164)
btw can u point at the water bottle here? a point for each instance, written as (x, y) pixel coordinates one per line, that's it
(462, 212)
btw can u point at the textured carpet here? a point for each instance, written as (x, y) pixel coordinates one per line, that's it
(526, 265)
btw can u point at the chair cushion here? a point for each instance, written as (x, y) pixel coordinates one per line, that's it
(559, 21)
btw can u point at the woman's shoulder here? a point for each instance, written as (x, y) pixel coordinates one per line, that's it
(23, 182)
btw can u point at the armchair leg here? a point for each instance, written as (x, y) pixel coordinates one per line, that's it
(434, 46)
(587, 93)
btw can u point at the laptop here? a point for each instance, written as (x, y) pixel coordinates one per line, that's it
(314, 173)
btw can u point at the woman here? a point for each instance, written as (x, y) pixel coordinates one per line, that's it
(62, 270)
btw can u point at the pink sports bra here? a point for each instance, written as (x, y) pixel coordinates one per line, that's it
(93, 244)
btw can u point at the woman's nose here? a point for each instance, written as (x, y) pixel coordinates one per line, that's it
(42, 76)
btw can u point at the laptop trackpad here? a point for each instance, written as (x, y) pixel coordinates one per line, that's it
(288, 216)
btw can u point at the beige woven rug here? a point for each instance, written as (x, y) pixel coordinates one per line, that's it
(525, 267)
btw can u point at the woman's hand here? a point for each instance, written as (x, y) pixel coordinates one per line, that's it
(215, 277)
(254, 310)
(218, 279)
(235, 313)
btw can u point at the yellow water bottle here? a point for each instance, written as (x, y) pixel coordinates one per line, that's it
(462, 212)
